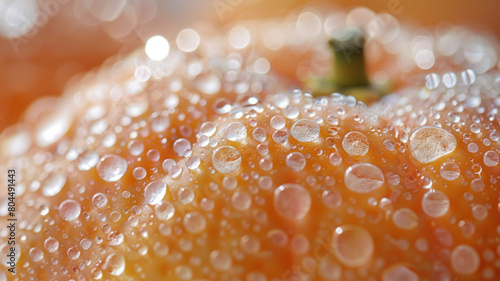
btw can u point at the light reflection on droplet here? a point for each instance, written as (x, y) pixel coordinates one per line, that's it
(157, 48)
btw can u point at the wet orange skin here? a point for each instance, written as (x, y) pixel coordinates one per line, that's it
(318, 226)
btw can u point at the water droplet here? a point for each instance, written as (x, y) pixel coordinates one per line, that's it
(235, 132)
(164, 210)
(160, 123)
(185, 195)
(449, 80)
(280, 136)
(468, 76)
(36, 254)
(331, 199)
(249, 244)
(435, 203)
(335, 159)
(300, 244)
(292, 201)
(278, 122)
(154, 192)
(352, 245)
(115, 264)
(295, 161)
(480, 212)
(355, 143)
(51, 244)
(430, 143)
(450, 171)
(329, 270)
(432, 81)
(53, 184)
(194, 222)
(399, 273)
(87, 160)
(405, 218)
(69, 210)
(363, 178)
(184, 272)
(157, 48)
(220, 260)
(207, 83)
(226, 159)
(73, 253)
(111, 168)
(5, 249)
(305, 130)
(99, 200)
(241, 200)
(491, 158)
(464, 259)
(182, 147)
(259, 134)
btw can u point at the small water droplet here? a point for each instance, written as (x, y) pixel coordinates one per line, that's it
(352, 245)
(220, 260)
(53, 184)
(292, 201)
(164, 210)
(235, 132)
(226, 159)
(194, 222)
(111, 168)
(399, 273)
(115, 264)
(154, 192)
(464, 259)
(355, 143)
(363, 178)
(241, 200)
(450, 171)
(36, 254)
(87, 160)
(51, 244)
(69, 210)
(432, 81)
(435, 203)
(491, 158)
(295, 161)
(405, 218)
(278, 122)
(430, 143)
(305, 130)
(99, 200)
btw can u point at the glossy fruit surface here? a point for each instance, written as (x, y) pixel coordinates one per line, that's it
(200, 161)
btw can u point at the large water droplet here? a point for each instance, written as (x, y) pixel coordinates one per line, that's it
(165, 210)
(194, 222)
(292, 201)
(115, 264)
(53, 184)
(295, 161)
(363, 178)
(450, 171)
(464, 259)
(111, 167)
(221, 261)
(405, 218)
(99, 200)
(226, 159)
(435, 203)
(491, 158)
(235, 131)
(355, 143)
(352, 245)
(399, 273)
(305, 130)
(154, 192)
(51, 244)
(430, 143)
(69, 210)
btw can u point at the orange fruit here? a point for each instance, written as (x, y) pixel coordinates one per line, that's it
(200, 161)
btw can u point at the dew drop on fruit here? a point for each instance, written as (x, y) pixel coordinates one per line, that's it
(235, 131)
(160, 123)
(280, 136)
(329, 269)
(305, 130)
(111, 168)
(164, 210)
(259, 134)
(99, 200)
(405, 218)
(355, 143)
(154, 192)
(207, 83)
(295, 161)
(292, 201)
(182, 147)
(449, 79)
(479, 212)
(435, 203)
(226, 159)
(291, 112)
(331, 199)
(241, 200)
(249, 244)
(184, 272)
(69, 210)
(51, 244)
(335, 159)
(464, 259)
(363, 178)
(194, 222)
(432, 81)
(208, 129)
(87, 160)
(468, 76)
(300, 244)
(5, 249)
(36, 254)
(352, 245)
(430, 143)
(491, 158)
(115, 264)
(449, 171)
(53, 184)
(220, 260)
(277, 122)
(185, 195)
(399, 273)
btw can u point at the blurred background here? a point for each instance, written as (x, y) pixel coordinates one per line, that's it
(44, 43)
